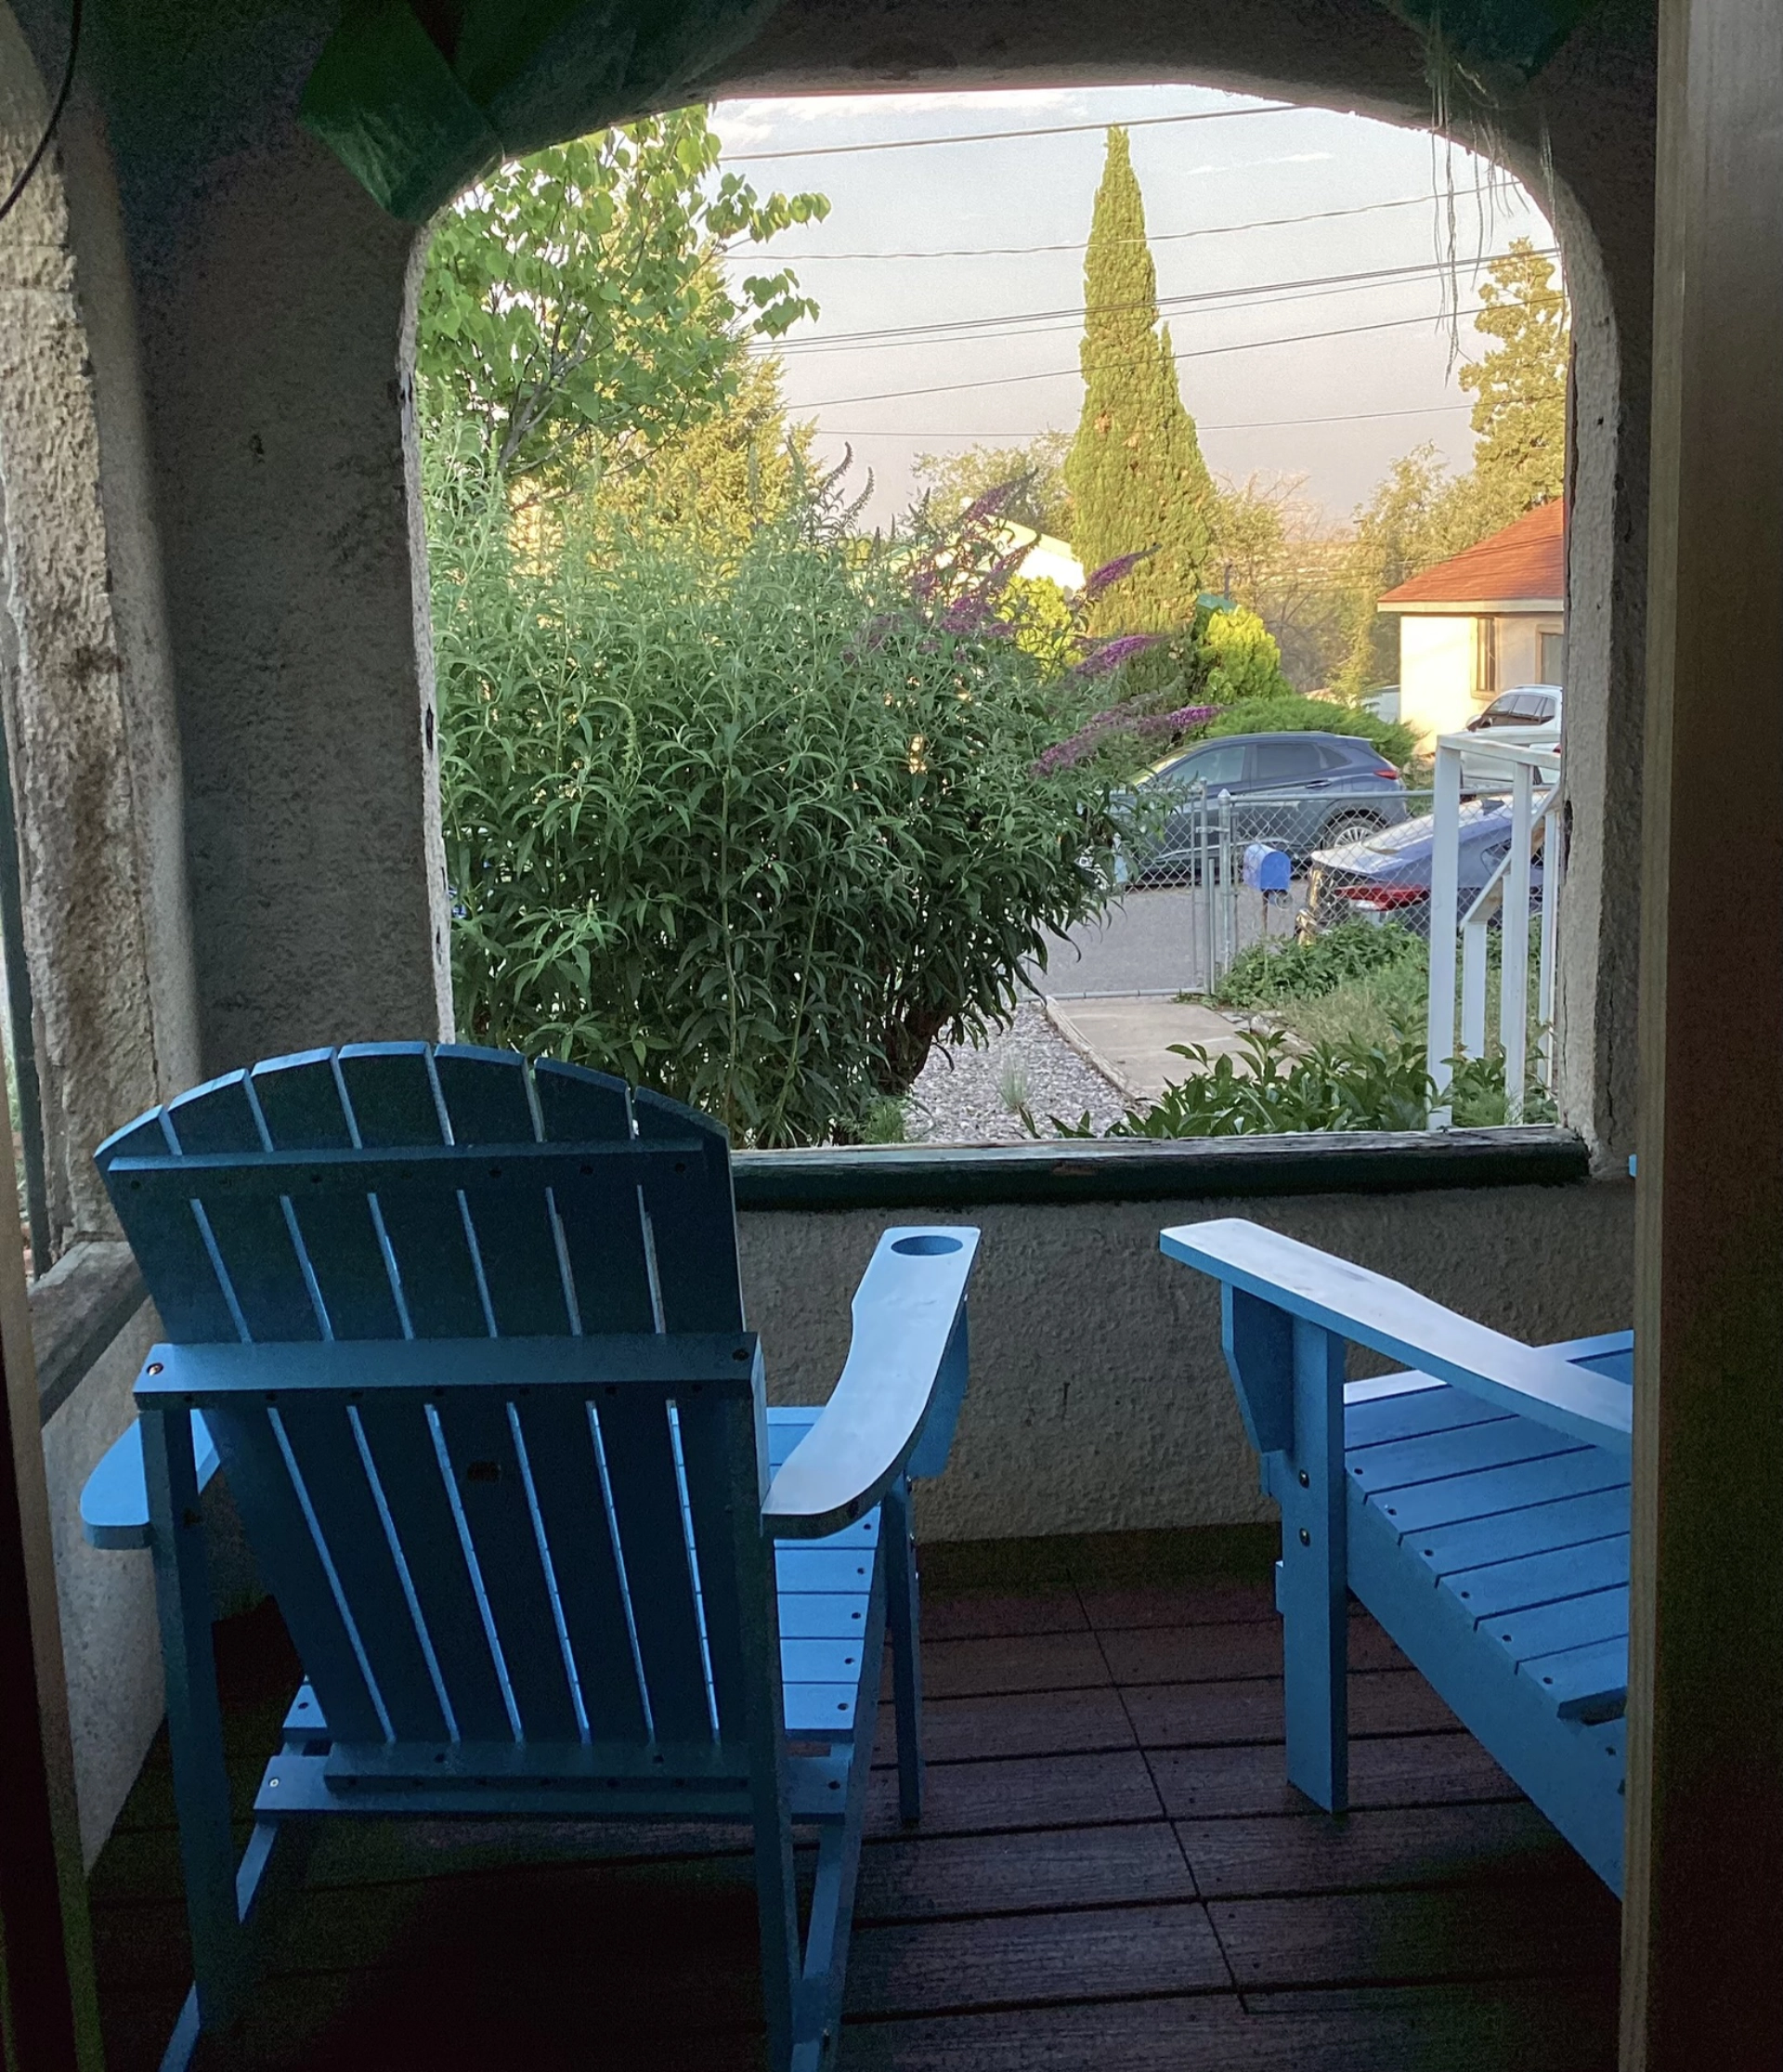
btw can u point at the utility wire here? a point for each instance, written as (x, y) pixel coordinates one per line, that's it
(1156, 236)
(1250, 424)
(1251, 295)
(37, 158)
(1002, 136)
(1198, 352)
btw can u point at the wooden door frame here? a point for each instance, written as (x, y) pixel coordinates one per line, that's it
(1703, 1916)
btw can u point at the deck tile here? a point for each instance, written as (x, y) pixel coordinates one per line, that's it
(1112, 1872)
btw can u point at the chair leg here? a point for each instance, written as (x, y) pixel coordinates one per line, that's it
(1313, 1588)
(194, 1722)
(903, 1618)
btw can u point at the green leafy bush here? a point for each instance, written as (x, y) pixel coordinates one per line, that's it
(1268, 973)
(758, 831)
(1333, 1087)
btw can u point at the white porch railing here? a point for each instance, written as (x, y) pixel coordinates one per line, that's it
(1535, 803)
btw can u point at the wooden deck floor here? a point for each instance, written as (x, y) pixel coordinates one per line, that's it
(1112, 1873)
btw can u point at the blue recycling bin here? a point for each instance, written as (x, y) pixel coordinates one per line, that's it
(1266, 869)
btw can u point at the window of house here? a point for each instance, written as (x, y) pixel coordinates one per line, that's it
(1553, 647)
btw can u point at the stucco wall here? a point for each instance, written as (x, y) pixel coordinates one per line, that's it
(110, 1641)
(1099, 1399)
(86, 706)
(1438, 671)
(1519, 649)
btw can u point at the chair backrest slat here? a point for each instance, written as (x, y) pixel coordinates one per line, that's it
(247, 1438)
(254, 1245)
(693, 1222)
(494, 1501)
(720, 1456)
(604, 1241)
(490, 1558)
(300, 1103)
(174, 1259)
(400, 1437)
(485, 1092)
(638, 1446)
(344, 1508)
(572, 1497)
(395, 1107)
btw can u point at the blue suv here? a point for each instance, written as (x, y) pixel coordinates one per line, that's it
(1295, 791)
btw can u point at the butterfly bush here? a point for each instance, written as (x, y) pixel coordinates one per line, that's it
(757, 833)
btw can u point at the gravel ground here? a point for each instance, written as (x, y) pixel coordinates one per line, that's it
(961, 1095)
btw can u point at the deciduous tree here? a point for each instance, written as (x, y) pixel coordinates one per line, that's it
(574, 308)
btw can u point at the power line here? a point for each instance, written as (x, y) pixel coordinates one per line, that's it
(1253, 295)
(1250, 424)
(1199, 352)
(1001, 136)
(50, 127)
(1156, 236)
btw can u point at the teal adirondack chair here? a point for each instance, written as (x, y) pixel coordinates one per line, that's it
(465, 1336)
(1477, 1505)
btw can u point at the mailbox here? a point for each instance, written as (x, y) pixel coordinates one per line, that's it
(1266, 869)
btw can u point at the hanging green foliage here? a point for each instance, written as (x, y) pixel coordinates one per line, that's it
(416, 111)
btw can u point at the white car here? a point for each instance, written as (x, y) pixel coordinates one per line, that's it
(1527, 717)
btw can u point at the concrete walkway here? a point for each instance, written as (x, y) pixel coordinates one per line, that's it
(1127, 1037)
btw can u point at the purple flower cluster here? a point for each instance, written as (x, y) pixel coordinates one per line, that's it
(1118, 719)
(1112, 572)
(1104, 660)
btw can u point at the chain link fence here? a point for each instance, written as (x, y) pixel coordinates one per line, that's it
(1261, 866)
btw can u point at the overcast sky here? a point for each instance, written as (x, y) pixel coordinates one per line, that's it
(1380, 390)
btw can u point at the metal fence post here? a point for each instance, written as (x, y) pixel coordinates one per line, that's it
(1445, 875)
(1514, 947)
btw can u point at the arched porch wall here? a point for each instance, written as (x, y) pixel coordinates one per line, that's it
(1583, 146)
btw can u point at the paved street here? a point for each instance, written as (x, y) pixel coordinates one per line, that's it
(1153, 941)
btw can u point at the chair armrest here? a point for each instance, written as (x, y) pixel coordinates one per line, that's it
(909, 1313)
(114, 1502)
(1369, 1309)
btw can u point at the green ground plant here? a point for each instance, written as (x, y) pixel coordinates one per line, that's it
(1334, 1086)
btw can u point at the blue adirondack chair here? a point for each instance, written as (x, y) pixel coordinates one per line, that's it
(1479, 1505)
(467, 1338)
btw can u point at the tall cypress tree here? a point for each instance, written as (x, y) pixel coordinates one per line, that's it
(1135, 471)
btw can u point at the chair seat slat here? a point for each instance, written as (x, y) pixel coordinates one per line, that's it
(1588, 1683)
(1545, 1577)
(1486, 1493)
(1532, 1529)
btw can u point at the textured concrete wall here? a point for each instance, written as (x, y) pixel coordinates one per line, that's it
(87, 710)
(272, 297)
(110, 1641)
(1099, 1399)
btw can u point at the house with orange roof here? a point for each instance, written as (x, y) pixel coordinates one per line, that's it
(1481, 622)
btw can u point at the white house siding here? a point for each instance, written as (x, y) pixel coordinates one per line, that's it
(1439, 670)
(1519, 649)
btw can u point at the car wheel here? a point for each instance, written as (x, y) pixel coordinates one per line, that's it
(1349, 827)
